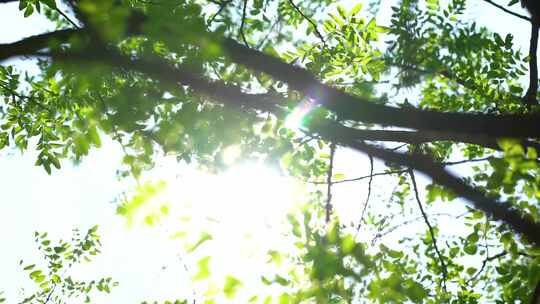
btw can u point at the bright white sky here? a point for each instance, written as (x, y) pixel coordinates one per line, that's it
(80, 196)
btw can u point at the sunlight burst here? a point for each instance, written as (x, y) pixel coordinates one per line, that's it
(296, 119)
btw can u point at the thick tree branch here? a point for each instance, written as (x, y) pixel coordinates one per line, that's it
(30, 45)
(535, 299)
(419, 137)
(500, 211)
(530, 96)
(349, 107)
(233, 96)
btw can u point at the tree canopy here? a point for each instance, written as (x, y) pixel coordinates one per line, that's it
(288, 83)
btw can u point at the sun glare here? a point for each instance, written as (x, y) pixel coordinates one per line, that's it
(245, 197)
(295, 119)
(235, 217)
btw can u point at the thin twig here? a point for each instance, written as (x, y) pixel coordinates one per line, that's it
(243, 23)
(67, 17)
(430, 228)
(368, 195)
(222, 6)
(261, 43)
(328, 207)
(358, 178)
(484, 264)
(310, 21)
(466, 161)
(398, 147)
(508, 11)
(407, 222)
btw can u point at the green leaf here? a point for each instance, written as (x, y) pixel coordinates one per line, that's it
(35, 274)
(49, 3)
(471, 271)
(471, 249)
(203, 269)
(28, 11)
(342, 12)
(231, 286)
(356, 9)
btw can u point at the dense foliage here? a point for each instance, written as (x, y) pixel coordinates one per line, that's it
(287, 83)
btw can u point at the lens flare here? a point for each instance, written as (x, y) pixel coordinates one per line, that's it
(296, 119)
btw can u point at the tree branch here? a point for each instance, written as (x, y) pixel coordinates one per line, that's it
(368, 194)
(328, 207)
(222, 6)
(243, 23)
(30, 45)
(349, 107)
(408, 222)
(356, 179)
(315, 28)
(67, 17)
(484, 264)
(500, 211)
(466, 161)
(233, 96)
(431, 231)
(530, 96)
(419, 137)
(508, 11)
(535, 299)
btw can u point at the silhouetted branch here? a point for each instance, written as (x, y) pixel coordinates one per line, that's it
(484, 264)
(67, 18)
(242, 24)
(328, 207)
(530, 96)
(498, 210)
(407, 222)
(30, 45)
(313, 24)
(366, 203)
(359, 178)
(233, 96)
(431, 231)
(356, 108)
(465, 161)
(536, 294)
(347, 107)
(508, 11)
